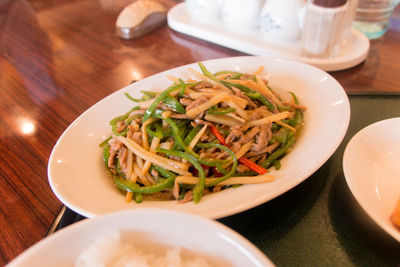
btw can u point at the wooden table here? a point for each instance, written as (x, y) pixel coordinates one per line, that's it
(58, 58)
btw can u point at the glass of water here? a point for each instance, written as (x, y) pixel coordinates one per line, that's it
(372, 16)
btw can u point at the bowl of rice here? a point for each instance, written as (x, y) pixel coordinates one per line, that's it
(144, 237)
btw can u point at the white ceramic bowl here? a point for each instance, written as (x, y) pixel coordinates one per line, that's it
(371, 165)
(76, 170)
(201, 236)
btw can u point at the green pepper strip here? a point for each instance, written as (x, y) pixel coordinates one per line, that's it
(182, 92)
(212, 162)
(181, 143)
(138, 198)
(158, 133)
(147, 95)
(131, 98)
(234, 165)
(298, 116)
(176, 135)
(284, 108)
(189, 137)
(252, 94)
(274, 156)
(105, 142)
(165, 183)
(235, 75)
(123, 117)
(281, 135)
(134, 187)
(157, 101)
(296, 101)
(106, 155)
(220, 169)
(206, 162)
(114, 121)
(199, 188)
(219, 111)
(207, 73)
(173, 103)
(164, 172)
(277, 164)
(182, 129)
(115, 132)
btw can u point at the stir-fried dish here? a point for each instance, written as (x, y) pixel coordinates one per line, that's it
(199, 136)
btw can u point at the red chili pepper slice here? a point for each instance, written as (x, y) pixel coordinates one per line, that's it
(217, 173)
(195, 172)
(251, 165)
(218, 135)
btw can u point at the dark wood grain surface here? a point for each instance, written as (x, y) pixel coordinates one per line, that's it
(59, 57)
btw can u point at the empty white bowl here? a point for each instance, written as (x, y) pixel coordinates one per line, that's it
(371, 165)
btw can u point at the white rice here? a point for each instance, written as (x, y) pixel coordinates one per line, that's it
(112, 251)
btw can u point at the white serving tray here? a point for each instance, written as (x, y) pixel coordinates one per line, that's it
(352, 52)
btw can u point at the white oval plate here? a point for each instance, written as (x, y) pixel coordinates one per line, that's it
(203, 237)
(76, 172)
(371, 165)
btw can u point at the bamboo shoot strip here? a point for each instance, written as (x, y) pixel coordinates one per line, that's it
(168, 164)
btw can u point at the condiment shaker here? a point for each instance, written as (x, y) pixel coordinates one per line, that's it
(323, 26)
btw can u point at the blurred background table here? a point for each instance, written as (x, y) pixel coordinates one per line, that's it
(59, 57)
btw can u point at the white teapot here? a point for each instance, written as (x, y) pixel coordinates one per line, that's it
(280, 20)
(241, 15)
(204, 10)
